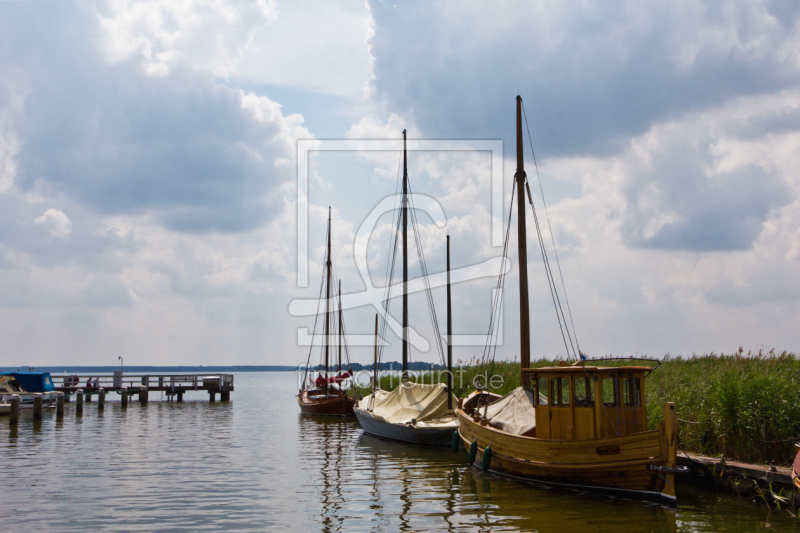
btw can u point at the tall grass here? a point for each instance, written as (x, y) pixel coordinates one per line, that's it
(734, 405)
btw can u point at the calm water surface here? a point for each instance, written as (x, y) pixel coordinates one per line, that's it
(256, 463)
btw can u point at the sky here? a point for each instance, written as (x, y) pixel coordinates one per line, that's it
(151, 179)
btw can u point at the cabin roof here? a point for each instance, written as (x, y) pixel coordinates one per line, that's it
(581, 369)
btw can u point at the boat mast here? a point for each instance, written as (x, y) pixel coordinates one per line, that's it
(328, 300)
(449, 335)
(341, 328)
(524, 321)
(375, 360)
(405, 261)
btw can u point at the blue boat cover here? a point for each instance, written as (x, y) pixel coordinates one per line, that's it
(33, 381)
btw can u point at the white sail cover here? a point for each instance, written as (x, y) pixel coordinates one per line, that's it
(425, 403)
(514, 412)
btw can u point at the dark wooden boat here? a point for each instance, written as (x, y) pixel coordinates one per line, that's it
(583, 426)
(414, 413)
(327, 396)
(796, 468)
(334, 403)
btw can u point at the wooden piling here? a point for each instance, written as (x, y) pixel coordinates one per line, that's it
(143, 395)
(14, 410)
(37, 406)
(101, 399)
(225, 396)
(212, 396)
(79, 401)
(123, 394)
(180, 396)
(88, 397)
(59, 404)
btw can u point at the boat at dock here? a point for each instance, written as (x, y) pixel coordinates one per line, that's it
(26, 385)
(574, 424)
(796, 468)
(413, 412)
(327, 396)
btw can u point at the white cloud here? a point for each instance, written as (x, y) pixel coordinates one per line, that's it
(207, 35)
(56, 222)
(316, 45)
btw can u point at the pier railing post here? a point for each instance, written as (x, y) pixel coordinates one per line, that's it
(14, 410)
(37, 406)
(101, 398)
(59, 404)
(79, 401)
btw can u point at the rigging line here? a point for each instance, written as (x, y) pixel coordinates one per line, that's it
(501, 281)
(388, 294)
(390, 277)
(314, 330)
(426, 280)
(553, 289)
(500, 277)
(390, 280)
(391, 258)
(552, 238)
(550, 281)
(499, 285)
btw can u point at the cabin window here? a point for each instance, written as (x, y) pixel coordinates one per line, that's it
(584, 392)
(610, 391)
(560, 391)
(541, 391)
(632, 391)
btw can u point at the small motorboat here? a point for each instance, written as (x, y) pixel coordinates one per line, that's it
(26, 385)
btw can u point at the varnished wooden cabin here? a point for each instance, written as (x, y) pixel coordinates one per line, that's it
(588, 402)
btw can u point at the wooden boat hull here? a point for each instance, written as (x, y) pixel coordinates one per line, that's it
(339, 404)
(616, 464)
(796, 469)
(438, 436)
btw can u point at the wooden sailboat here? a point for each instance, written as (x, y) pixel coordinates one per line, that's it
(325, 398)
(590, 423)
(414, 412)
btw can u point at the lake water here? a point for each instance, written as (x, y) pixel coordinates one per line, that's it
(255, 463)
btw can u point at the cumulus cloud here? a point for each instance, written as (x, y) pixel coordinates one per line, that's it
(211, 36)
(592, 76)
(698, 184)
(56, 222)
(199, 155)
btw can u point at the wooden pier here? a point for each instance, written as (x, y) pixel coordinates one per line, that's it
(737, 477)
(174, 385)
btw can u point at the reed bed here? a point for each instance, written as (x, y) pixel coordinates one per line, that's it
(743, 406)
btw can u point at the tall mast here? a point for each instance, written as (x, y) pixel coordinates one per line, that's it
(405, 260)
(341, 327)
(449, 335)
(328, 299)
(375, 359)
(524, 321)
